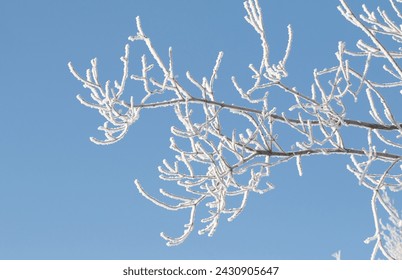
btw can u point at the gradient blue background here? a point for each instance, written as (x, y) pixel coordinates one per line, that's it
(63, 197)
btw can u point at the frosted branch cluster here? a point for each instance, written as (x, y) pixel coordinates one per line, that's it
(221, 165)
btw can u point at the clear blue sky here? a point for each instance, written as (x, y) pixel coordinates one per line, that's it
(62, 197)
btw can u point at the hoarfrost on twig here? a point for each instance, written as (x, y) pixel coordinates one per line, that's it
(221, 163)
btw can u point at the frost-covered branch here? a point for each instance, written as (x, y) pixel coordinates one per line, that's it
(223, 163)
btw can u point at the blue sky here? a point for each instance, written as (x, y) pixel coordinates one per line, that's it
(62, 197)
